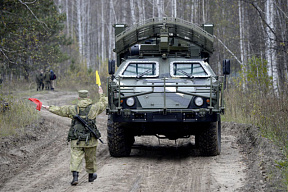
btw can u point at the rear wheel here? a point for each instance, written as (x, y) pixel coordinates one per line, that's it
(209, 139)
(119, 141)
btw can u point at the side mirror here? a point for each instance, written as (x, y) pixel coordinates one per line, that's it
(111, 67)
(226, 67)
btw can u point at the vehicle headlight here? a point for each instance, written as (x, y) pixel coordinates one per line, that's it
(130, 101)
(198, 101)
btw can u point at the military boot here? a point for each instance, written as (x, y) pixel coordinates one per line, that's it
(75, 178)
(92, 177)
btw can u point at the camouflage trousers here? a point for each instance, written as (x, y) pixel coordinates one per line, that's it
(77, 155)
(40, 86)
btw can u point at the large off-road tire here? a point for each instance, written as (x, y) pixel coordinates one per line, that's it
(209, 139)
(119, 141)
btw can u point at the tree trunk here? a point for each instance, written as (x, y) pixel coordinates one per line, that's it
(67, 17)
(110, 28)
(140, 10)
(241, 43)
(79, 27)
(270, 46)
(203, 11)
(174, 8)
(132, 12)
(103, 55)
(88, 35)
(144, 12)
(192, 11)
(160, 8)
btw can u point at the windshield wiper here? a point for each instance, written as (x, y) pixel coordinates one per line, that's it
(144, 73)
(184, 73)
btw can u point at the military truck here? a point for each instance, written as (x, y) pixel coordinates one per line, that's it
(164, 85)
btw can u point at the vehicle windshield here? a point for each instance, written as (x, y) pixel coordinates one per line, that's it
(188, 70)
(140, 70)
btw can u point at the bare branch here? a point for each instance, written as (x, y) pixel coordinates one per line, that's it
(30, 2)
(261, 12)
(150, 2)
(281, 10)
(6, 56)
(263, 20)
(229, 50)
(25, 4)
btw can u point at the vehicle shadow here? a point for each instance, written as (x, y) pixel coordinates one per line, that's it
(165, 151)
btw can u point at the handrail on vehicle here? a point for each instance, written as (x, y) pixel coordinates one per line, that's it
(219, 93)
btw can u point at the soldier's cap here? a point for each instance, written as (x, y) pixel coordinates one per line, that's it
(83, 93)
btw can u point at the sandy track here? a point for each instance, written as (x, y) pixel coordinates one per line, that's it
(167, 166)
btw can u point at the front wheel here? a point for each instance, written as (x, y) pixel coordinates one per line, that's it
(119, 141)
(209, 139)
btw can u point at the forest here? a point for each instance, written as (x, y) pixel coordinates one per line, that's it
(64, 34)
(76, 37)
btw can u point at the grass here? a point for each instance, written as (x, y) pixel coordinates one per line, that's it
(21, 113)
(265, 111)
(16, 116)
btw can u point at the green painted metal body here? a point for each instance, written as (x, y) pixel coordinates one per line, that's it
(163, 68)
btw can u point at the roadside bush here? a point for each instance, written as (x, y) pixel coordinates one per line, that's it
(18, 114)
(254, 103)
(258, 105)
(267, 112)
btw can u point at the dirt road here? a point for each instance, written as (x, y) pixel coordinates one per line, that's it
(39, 161)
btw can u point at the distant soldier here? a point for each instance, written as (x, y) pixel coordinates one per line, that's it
(52, 79)
(83, 143)
(47, 79)
(39, 80)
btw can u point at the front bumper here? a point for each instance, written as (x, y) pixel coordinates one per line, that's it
(163, 116)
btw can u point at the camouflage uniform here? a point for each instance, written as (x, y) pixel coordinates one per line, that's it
(52, 80)
(47, 79)
(39, 80)
(80, 149)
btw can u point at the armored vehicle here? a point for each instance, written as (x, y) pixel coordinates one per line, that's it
(164, 85)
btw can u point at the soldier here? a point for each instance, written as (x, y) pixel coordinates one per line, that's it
(82, 142)
(47, 79)
(39, 80)
(52, 79)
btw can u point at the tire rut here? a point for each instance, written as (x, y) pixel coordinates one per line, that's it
(167, 166)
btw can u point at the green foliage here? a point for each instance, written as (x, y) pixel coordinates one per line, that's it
(256, 106)
(283, 165)
(30, 35)
(255, 75)
(266, 112)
